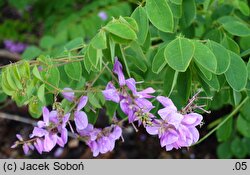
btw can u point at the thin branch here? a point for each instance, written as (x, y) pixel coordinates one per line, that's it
(17, 118)
(224, 121)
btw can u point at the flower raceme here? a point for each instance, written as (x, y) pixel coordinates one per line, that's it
(174, 128)
(134, 104)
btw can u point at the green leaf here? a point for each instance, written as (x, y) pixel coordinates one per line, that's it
(184, 81)
(111, 108)
(176, 9)
(230, 44)
(178, 2)
(248, 69)
(121, 30)
(245, 110)
(236, 75)
(222, 56)
(243, 126)
(36, 73)
(160, 15)
(204, 71)
(159, 61)
(169, 81)
(93, 100)
(238, 149)
(31, 52)
(237, 97)
(137, 62)
(41, 94)
(205, 57)
(188, 13)
(52, 77)
(224, 150)
(5, 85)
(225, 131)
(179, 53)
(47, 42)
(214, 82)
(75, 43)
(87, 63)
(141, 18)
(131, 22)
(74, 70)
(135, 54)
(35, 107)
(99, 41)
(244, 8)
(234, 26)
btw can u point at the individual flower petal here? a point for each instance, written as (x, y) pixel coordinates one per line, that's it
(144, 104)
(68, 94)
(41, 124)
(94, 148)
(19, 137)
(60, 142)
(111, 93)
(65, 119)
(117, 132)
(125, 106)
(81, 120)
(131, 84)
(104, 144)
(174, 119)
(50, 141)
(82, 102)
(39, 145)
(152, 130)
(46, 114)
(145, 93)
(53, 117)
(192, 119)
(38, 132)
(195, 134)
(168, 138)
(25, 148)
(118, 70)
(167, 102)
(64, 135)
(131, 116)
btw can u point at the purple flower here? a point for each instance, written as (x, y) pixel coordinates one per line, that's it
(103, 15)
(26, 146)
(133, 103)
(118, 71)
(14, 47)
(111, 93)
(81, 120)
(80, 117)
(51, 125)
(101, 141)
(82, 102)
(68, 94)
(175, 130)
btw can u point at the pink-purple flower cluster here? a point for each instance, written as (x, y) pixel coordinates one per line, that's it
(133, 103)
(101, 140)
(175, 130)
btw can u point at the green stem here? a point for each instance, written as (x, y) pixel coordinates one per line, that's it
(224, 121)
